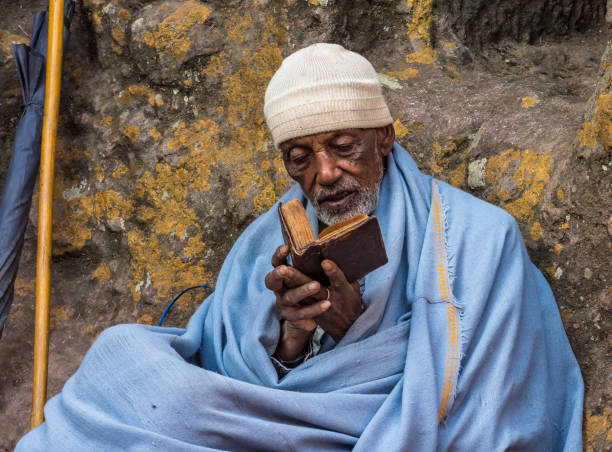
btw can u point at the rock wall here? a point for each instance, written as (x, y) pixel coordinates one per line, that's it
(163, 157)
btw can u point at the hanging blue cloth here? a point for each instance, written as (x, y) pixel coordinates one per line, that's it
(460, 347)
(25, 160)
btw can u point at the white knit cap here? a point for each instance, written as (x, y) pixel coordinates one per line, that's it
(321, 88)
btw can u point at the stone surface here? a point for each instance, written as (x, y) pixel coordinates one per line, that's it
(163, 157)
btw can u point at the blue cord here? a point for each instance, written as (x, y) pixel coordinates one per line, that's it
(167, 310)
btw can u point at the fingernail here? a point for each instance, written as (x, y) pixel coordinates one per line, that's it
(326, 266)
(313, 286)
(326, 304)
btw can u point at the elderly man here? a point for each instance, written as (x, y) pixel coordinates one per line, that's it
(455, 344)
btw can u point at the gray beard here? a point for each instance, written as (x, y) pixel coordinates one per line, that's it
(363, 202)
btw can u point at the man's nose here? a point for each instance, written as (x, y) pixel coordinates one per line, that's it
(328, 171)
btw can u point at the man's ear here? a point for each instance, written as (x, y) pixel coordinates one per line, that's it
(385, 136)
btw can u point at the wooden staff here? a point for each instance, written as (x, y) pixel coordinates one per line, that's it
(45, 209)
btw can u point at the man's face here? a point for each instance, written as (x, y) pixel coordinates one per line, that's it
(340, 172)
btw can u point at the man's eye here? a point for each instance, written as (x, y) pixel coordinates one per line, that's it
(344, 148)
(297, 158)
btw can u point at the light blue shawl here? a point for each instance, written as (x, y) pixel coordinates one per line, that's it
(461, 347)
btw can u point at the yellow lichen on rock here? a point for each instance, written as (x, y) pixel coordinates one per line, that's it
(406, 74)
(536, 231)
(153, 263)
(598, 430)
(560, 195)
(58, 315)
(155, 134)
(171, 36)
(451, 73)
(457, 175)
(422, 16)
(166, 208)
(531, 176)
(139, 92)
(110, 205)
(99, 173)
(419, 29)
(97, 20)
(145, 319)
(419, 34)
(528, 101)
(132, 133)
(243, 89)
(587, 135)
(124, 15)
(498, 164)
(447, 160)
(118, 35)
(245, 175)
(533, 169)
(165, 194)
(216, 64)
(603, 119)
(266, 196)
(120, 171)
(599, 129)
(102, 272)
(195, 246)
(81, 214)
(276, 30)
(236, 26)
(530, 179)
(117, 48)
(200, 139)
(425, 56)
(244, 96)
(400, 129)
(502, 193)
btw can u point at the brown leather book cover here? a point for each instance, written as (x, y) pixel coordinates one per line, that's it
(357, 251)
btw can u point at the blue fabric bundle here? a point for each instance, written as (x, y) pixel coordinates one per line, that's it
(460, 347)
(25, 161)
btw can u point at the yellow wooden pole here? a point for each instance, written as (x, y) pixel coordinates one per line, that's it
(45, 209)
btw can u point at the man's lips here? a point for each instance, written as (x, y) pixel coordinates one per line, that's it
(337, 201)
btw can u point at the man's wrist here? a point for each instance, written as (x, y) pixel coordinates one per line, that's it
(292, 341)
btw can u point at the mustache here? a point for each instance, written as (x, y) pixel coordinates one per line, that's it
(343, 186)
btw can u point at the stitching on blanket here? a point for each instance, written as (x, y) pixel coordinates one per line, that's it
(441, 263)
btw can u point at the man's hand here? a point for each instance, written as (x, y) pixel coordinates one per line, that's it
(299, 300)
(303, 303)
(345, 299)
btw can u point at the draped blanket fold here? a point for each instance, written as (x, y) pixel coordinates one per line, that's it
(461, 347)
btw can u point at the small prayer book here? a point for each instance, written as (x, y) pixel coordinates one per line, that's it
(355, 245)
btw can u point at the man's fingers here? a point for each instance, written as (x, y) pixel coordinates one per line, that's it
(284, 277)
(307, 312)
(333, 272)
(280, 256)
(292, 297)
(293, 277)
(274, 280)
